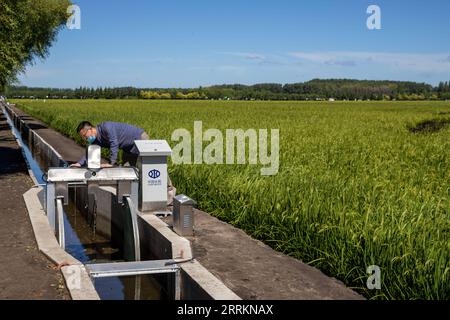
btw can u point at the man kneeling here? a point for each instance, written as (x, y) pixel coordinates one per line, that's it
(115, 136)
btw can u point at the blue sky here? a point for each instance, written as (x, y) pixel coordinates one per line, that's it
(191, 43)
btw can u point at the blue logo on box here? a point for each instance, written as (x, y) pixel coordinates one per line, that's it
(154, 174)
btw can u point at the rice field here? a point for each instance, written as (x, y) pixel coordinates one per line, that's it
(359, 183)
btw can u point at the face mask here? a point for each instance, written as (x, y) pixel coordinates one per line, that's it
(90, 139)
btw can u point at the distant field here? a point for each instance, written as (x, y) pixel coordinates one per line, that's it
(360, 183)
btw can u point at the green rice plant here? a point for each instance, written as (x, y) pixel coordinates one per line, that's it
(355, 187)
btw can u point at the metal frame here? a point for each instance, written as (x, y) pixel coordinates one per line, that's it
(123, 269)
(126, 182)
(124, 179)
(85, 175)
(50, 205)
(61, 230)
(137, 244)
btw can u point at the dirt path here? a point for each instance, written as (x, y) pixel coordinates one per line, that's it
(25, 273)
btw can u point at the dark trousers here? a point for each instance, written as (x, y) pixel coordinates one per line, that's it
(130, 159)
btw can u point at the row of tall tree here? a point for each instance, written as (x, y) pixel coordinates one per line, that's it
(443, 87)
(172, 94)
(339, 89)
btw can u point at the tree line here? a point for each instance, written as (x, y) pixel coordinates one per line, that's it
(29, 27)
(316, 89)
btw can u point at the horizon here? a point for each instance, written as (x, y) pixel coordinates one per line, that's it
(179, 44)
(225, 84)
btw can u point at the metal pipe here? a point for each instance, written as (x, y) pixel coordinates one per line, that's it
(60, 213)
(133, 213)
(178, 285)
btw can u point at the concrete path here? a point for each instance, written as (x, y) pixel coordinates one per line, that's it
(25, 273)
(253, 270)
(66, 147)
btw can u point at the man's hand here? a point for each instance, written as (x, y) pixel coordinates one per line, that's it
(106, 165)
(75, 165)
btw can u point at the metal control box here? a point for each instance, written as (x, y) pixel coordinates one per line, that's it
(152, 165)
(94, 156)
(183, 215)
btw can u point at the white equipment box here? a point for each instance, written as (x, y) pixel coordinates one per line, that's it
(94, 156)
(152, 164)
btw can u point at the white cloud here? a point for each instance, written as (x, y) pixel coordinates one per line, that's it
(435, 63)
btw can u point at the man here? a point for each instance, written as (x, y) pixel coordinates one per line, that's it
(115, 136)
